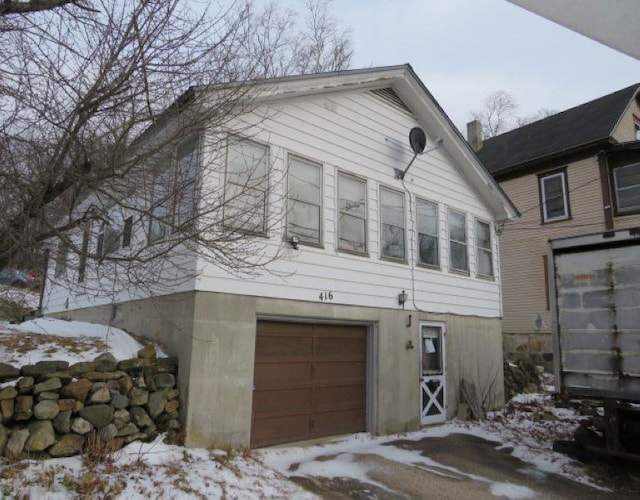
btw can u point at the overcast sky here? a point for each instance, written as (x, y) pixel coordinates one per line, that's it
(465, 49)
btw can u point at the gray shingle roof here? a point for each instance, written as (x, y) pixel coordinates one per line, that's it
(586, 124)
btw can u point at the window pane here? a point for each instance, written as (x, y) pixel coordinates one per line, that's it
(458, 256)
(247, 163)
(427, 218)
(392, 204)
(428, 249)
(352, 233)
(554, 204)
(485, 264)
(627, 183)
(304, 181)
(457, 229)
(304, 222)
(392, 241)
(352, 196)
(244, 208)
(431, 350)
(483, 235)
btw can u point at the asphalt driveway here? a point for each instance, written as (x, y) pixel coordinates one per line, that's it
(456, 466)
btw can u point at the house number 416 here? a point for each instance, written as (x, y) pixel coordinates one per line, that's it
(326, 296)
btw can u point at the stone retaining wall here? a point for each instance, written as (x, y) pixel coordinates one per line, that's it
(53, 409)
(520, 377)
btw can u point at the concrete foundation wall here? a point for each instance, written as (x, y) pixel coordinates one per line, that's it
(214, 335)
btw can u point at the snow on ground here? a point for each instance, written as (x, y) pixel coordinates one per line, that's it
(150, 470)
(28, 299)
(56, 339)
(528, 424)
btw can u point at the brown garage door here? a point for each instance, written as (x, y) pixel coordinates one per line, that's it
(310, 381)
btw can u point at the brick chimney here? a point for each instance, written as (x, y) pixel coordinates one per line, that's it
(474, 135)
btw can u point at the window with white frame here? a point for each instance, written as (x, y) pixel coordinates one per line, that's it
(626, 183)
(458, 255)
(392, 240)
(245, 206)
(484, 254)
(184, 184)
(109, 234)
(427, 217)
(174, 197)
(352, 214)
(304, 200)
(61, 259)
(82, 258)
(554, 196)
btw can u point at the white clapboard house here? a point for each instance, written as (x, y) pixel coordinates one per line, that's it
(384, 293)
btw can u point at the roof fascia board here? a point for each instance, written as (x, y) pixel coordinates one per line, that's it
(437, 123)
(626, 109)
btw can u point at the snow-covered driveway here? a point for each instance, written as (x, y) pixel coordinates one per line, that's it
(426, 464)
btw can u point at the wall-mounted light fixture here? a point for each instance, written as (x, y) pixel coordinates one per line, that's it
(402, 298)
(294, 241)
(409, 345)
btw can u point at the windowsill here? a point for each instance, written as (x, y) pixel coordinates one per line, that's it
(545, 222)
(428, 266)
(352, 252)
(616, 213)
(394, 259)
(485, 278)
(459, 272)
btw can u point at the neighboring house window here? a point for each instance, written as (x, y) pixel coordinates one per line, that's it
(82, 264)
(458, 260)
(392, 242)
(554, 196)
(428, 233)
(484, 254)
(246, 187)
(636, 127)
(61, 260)
(352, 216)
(174, 197)
(304, 196)
(626, 182)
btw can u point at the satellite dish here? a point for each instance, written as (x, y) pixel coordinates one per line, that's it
(417, 139)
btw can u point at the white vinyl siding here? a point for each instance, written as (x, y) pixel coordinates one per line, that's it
(555, 200)
(352, 214)
(484, 254)
(392, 239)
(304, 200)
(359, 137)
(428, 241)
(458, 251)
(626, 181)
(247, 180)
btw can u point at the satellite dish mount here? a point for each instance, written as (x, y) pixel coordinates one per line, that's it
(418, 141)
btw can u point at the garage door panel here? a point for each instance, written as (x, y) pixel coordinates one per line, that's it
(310, 381)
(353, 348)
(342, 397)
(284, 400)
(270, 374)
(279, 346)
(339, 422)
(334, 371)
(276, 430)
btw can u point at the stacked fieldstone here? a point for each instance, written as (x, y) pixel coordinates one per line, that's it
(520, 377)
(53, 409)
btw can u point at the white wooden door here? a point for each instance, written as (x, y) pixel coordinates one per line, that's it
(432, 384)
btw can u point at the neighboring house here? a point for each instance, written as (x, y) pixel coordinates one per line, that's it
(573, 173)
(387, 292)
